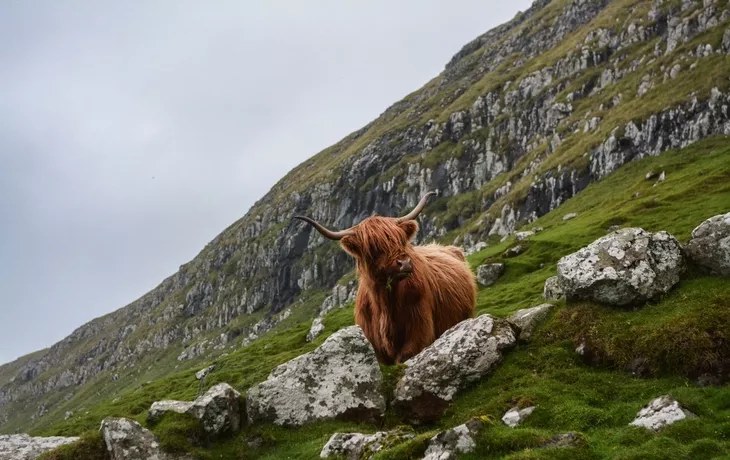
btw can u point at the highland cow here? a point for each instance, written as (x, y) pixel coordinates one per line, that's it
(408, 295)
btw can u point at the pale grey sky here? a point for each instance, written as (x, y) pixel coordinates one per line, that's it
(132, 133)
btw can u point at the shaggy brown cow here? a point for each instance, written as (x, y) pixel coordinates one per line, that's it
(408, 295)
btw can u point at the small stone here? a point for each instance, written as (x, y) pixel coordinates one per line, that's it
(218, 409)
(488, 274)
(159, 408)
(357, 446)
(528, 319)
(127, 440)
(661, 412)
(514, 251)
(709, 247)
(515, 416)
(458, 440)
(68, 415)
(204, 372)
(523, 235)
(650, 175)
(571, 215)
(552, 290)
(661, 179)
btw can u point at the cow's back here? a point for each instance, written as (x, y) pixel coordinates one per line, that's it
(452, 285)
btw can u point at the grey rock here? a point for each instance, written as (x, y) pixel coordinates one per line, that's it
(25, 447)
(316, 329)
(570, 439)
(661, 412)
(159, 408)
(523, 235)
(515, 416)
(358, 446)
(204, 372)
(675, 71)
(514, 251)
(68, 415)
(662, 177)
(528, 319)
(571, 215)
(709, 246)
(127, 440)
(726, 41)
(626, 267)
(552, 289)
(458, 440)
(488, 274)
(339, 379)
(464, 354)
(218, 409)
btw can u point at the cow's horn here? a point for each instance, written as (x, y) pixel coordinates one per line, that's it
(417, 210)
(325, 232)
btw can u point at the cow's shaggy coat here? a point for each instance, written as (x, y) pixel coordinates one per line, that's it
(408, 295)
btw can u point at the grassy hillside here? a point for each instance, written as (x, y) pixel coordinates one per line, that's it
(679, 337)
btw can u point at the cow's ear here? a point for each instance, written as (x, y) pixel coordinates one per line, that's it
(410, 227)
(351, 246)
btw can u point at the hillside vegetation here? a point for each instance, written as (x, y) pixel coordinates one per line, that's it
(564, 109)
(596, 399)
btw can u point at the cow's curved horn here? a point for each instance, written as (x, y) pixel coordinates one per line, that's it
(417, 210)
(329, 234)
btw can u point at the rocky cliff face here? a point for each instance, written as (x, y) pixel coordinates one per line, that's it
(521, 119)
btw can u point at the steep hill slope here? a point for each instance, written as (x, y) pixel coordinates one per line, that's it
(521, 119)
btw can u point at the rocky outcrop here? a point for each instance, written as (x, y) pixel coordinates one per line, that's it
(515, 416)
(458, 440)
(709, 247)
(661, 412)
(24, 447)
(626, 267)
(488, 274)
(463, 355)
(358, 446)
(127, 440)
(340, 379)
(528, 319)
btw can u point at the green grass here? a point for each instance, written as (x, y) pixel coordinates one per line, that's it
(681, 335)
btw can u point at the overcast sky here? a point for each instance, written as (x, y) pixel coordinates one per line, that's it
(132, 133)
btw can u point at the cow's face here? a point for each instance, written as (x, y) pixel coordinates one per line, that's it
(382, 246)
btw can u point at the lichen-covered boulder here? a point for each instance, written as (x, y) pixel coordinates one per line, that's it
(709, 247)
(528, 319)
(661, 412)
(358, 446)
(488, 274)
(515, 416)
(626, 267)
(25, 447)
(339, 379)
(159, 408)
(127, 440)
(458, 440)
(463, 355)
(552, 290)
(218, 409)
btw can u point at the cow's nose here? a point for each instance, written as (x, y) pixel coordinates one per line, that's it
(404, 265)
